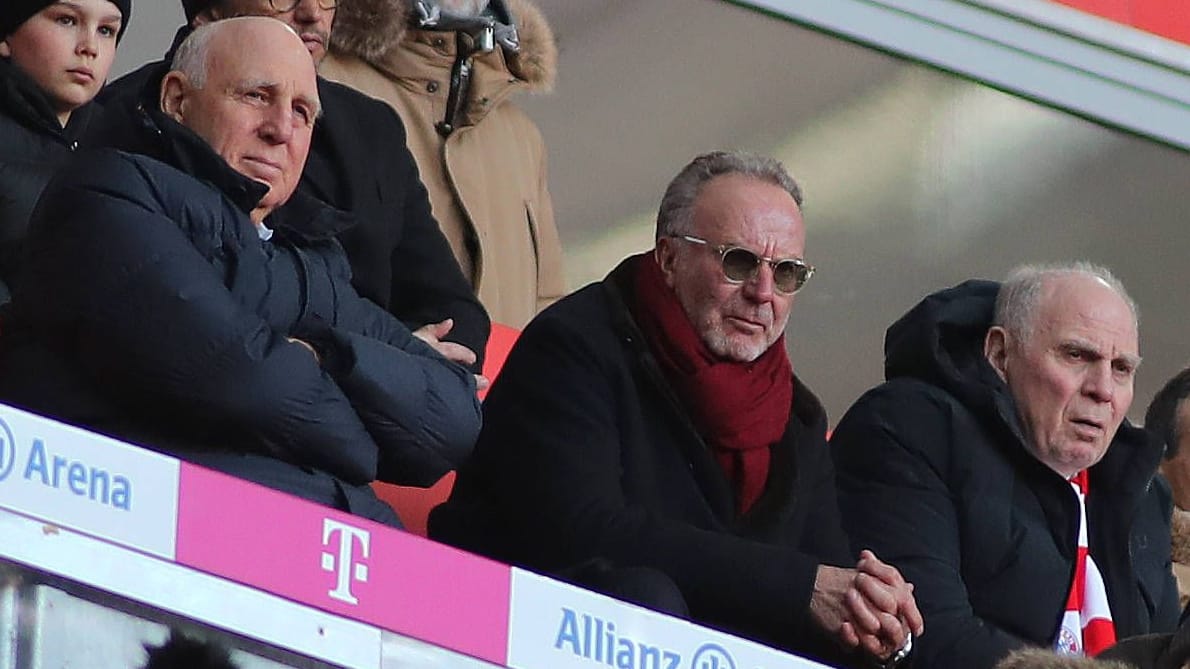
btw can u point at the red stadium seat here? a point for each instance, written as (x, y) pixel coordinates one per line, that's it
(413, 505)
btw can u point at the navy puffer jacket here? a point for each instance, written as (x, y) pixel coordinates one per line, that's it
(153, 311)
(359, 163)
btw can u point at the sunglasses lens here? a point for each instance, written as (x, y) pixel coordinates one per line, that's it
(789, 276)
(740, 264)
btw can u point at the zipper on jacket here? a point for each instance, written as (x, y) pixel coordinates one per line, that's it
(466, 46)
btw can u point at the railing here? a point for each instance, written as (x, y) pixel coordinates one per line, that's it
(105, 544)
(1059, 56)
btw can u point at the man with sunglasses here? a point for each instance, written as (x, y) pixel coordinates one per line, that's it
(358, 163)
(647, 437)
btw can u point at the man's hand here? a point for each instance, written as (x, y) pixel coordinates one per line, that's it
(889, 612)
(828, 607)
(871, 607)
(432, 334)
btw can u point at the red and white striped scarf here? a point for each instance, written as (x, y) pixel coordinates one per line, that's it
(1087, 626)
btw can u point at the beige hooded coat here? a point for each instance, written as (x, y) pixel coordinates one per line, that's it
(486, 179)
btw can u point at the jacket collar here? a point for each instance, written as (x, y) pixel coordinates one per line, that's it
(303, 217)
(373, 30)
(180, 147)
(26, 103)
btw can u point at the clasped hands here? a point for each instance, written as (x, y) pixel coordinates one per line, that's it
(869, 607)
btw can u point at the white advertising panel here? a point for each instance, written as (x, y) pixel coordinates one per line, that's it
(558, 626)
(69, 477)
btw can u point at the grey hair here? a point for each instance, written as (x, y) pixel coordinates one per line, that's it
(192, 56)
(676, 214)
(1020, 293)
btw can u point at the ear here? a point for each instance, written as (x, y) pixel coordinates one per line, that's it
(174, 89)
(666, 253)
(5, 50)
(995, 349)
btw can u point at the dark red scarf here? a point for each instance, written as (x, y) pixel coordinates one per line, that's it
(741, 409)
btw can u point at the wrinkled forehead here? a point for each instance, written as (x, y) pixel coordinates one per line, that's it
(1089, 307)
(276, 55)
(752, 213)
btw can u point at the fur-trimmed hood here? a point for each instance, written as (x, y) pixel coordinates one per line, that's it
(1180, 530)
(1037, 658)
(368, 29)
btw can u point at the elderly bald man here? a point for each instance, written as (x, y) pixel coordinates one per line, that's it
(359, 163)
(166, 307)
(996, 469)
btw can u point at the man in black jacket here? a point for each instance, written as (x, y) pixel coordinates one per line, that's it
(996, 469)
(647, 436)
(1168, 420)
(358, 163)
(166, 305)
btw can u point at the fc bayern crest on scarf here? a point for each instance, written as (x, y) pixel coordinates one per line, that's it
(1087, 627)
(1068, 643)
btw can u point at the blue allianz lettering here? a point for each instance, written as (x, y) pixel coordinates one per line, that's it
(97, 484)
(595, 639)
(712, 656)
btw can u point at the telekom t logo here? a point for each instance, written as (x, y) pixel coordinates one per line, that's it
(344, 566)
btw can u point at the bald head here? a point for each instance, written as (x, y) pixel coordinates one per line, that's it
(247, 86)
(237, 37)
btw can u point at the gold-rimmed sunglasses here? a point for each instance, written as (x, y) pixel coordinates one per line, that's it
(740, 265)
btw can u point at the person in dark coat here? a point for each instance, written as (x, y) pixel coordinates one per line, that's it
(647, 436)
(163, 304)
(54, 57)
(359, 163)
(1168, 420)
(1003, 411)
(1153, 651)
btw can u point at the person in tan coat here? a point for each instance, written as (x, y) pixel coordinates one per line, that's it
(450, 69)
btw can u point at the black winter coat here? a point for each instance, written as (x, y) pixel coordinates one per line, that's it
(586, 452)
(153, 311)
(33, 145)
(358, 163)
(935, 476)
